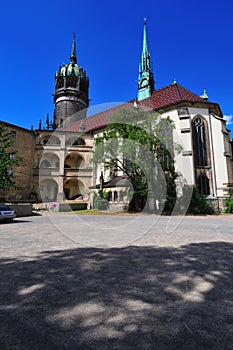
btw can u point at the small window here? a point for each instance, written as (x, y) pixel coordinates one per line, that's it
(115, 196)
(12, 156)
(13, 134)
(121, 196)
(110, 196)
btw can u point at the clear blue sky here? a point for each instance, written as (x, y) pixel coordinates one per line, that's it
(189, 40)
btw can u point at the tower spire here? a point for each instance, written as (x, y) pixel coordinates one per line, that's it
(145, 50)
(146, 78)
(73, 56)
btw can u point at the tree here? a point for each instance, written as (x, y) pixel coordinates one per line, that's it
(140, 145)
(229, 205)
(8, 159)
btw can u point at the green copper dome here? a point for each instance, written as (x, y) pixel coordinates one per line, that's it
(68, 69)
(72, 67)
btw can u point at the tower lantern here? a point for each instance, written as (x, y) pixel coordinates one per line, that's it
(71, 91)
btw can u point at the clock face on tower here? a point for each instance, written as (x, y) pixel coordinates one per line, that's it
(144, 83)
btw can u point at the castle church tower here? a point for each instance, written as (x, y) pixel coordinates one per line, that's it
(145, 77)
(71, 91)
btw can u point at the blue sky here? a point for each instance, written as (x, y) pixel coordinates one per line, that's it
(189, 40)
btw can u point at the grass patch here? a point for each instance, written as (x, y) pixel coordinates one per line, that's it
(100, 212)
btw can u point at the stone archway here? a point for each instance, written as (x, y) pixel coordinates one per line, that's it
(74, 161)
(49, 160)
(73, 188)
(48, 190)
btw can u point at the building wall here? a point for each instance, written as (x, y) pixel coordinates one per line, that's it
(24, 141)
(53, 163)
(61, 165)
(220, 170)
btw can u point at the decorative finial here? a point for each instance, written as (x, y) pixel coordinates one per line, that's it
(73, 56)
(144, 20)
(47, 122)
(204, 96)
(82, 127)
(174, 81)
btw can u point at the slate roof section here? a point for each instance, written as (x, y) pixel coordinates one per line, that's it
(161, 98)
(118, 181)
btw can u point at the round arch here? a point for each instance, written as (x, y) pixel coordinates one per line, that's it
(50, 140)
(48, 190)
(74, 141)
(74, 161)
(50, 160)
(73, 188)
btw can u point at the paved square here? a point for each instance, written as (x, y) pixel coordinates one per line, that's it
(72, 282)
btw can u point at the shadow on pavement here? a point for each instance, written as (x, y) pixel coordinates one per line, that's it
(131, 298)
(15, 221)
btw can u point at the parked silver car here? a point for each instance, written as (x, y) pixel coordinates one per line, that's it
(6, 213)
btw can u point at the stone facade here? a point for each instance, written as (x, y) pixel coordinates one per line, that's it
(24, 144)
(62, 165)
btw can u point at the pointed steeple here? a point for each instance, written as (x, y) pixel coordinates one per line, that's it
(73, 56)
(145, 50)
(145, 78)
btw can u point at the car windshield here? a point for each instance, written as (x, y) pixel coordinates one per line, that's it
(4, 208)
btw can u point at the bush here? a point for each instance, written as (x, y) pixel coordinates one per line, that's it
(199, 204)
(101, 201)
(229, 205)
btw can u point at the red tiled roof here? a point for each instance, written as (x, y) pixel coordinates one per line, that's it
(161, 98)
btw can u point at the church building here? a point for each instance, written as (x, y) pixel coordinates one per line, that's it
(58, 158)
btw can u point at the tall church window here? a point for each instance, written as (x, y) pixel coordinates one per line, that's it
(203, 185)
(200, 142)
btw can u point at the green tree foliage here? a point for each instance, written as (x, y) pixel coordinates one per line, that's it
(140, 145)
(229, 205)
(8, 159)
(198, 204)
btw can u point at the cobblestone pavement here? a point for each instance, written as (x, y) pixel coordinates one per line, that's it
(116, 282)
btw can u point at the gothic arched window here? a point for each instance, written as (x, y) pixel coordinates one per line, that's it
(200, 142)
(203, 185)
